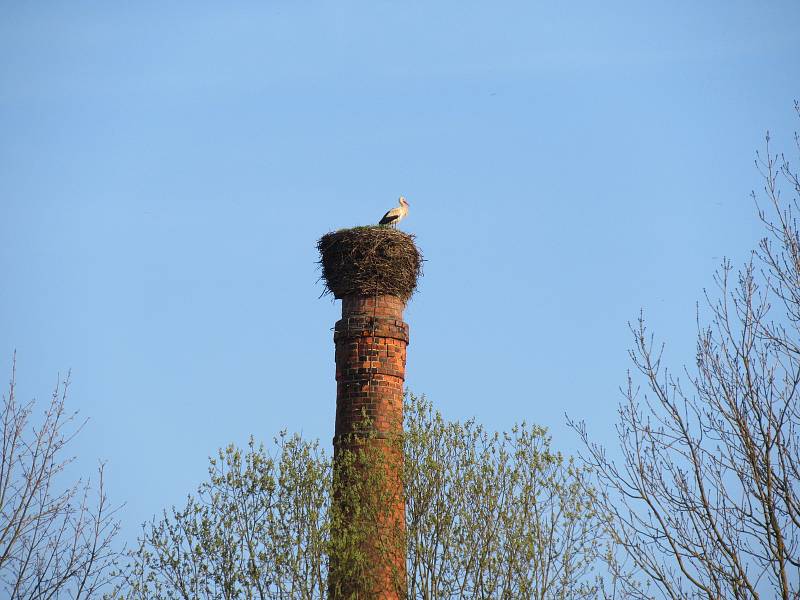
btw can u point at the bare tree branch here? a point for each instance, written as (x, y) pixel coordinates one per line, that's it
(54, 542)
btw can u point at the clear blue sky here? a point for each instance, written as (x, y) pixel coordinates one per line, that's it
(166, 168)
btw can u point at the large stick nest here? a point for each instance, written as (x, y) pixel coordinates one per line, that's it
(367, 261)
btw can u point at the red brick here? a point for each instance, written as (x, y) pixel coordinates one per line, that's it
(371, 340)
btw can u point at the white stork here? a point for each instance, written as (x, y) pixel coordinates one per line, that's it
(397, 214)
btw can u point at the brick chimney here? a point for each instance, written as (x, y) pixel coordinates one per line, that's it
(374, 271)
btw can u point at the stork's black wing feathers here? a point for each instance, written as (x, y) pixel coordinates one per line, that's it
(388, 219)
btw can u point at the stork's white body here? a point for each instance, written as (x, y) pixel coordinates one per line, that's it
(397, 214)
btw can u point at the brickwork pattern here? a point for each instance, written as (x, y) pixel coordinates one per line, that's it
(371, 340)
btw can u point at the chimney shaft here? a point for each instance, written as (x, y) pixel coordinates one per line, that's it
(371, 340)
